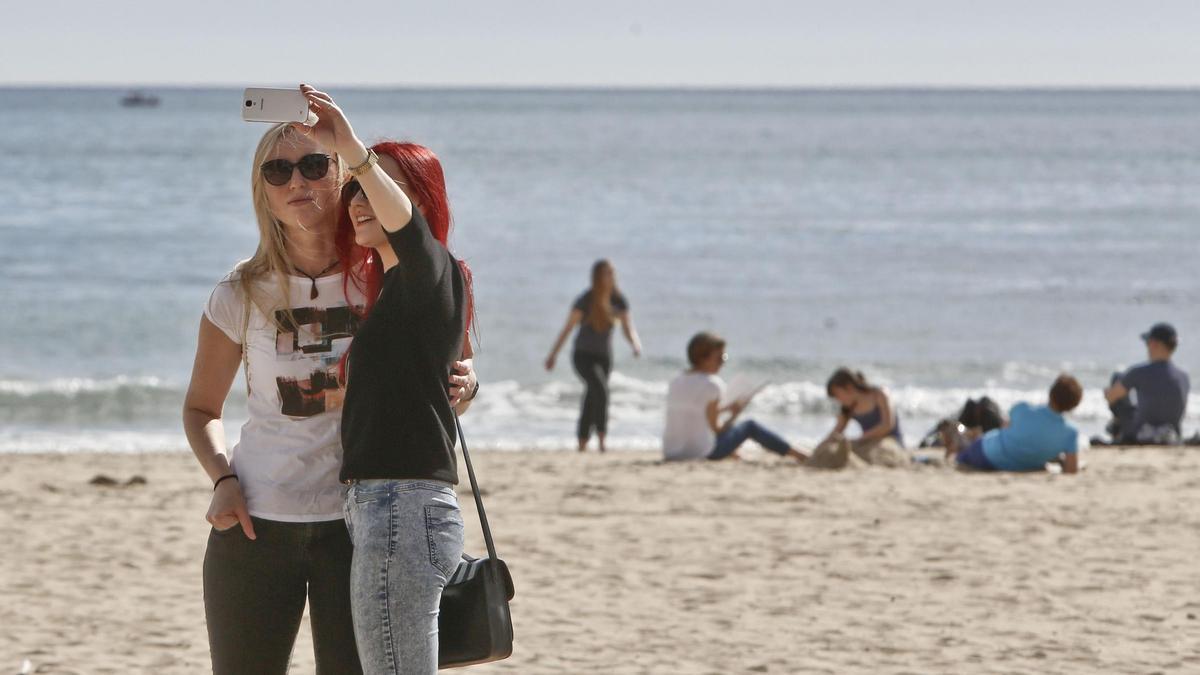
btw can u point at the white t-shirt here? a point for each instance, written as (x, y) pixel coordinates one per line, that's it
(687, 434)
(290, 451)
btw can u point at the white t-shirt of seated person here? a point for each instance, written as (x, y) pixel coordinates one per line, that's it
(290, 451)
(687, 434)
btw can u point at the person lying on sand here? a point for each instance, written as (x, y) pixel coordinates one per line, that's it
(1035, 435)
(693, 429)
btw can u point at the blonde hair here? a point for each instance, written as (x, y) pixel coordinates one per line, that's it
(271, 259)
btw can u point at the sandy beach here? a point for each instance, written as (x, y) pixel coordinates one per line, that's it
(626, 565)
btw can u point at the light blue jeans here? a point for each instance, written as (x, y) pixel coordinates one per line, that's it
(728, 442)
(408, 540)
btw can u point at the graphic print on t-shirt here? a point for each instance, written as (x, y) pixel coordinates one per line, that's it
(319, 335)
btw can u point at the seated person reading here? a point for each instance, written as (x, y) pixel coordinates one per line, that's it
(694, 429)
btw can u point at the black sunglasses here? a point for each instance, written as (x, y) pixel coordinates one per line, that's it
(352, 187)
(279, 171)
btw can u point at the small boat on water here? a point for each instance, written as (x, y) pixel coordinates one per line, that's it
(139, 99)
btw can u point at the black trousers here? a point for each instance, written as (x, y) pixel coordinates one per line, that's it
(593, 415)
(254, 594)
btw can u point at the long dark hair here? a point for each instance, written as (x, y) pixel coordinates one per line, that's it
(600, 314)
(846, 378)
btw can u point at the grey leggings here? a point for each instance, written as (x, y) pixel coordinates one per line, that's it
(254, 595)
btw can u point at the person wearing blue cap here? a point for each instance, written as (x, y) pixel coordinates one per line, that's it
(1160, 393)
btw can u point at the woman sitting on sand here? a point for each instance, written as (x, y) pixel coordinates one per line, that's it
(596, 312)
(1035, 435)
(869, 406)
(289, 313)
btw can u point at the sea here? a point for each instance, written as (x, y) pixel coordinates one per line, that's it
(947, 243)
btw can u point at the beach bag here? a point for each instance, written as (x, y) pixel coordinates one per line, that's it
(474, 625)
(984, 413)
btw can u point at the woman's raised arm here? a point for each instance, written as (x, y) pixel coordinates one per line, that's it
(392, 207)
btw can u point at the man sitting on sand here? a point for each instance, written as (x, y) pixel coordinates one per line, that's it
(1161, 389)
(1034, 436)
(694, 407)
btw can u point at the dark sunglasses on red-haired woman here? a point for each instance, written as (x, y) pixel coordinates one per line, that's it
(279, 171)
(352, 187)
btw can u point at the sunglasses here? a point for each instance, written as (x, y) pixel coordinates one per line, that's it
(279, 171)
(352, 187)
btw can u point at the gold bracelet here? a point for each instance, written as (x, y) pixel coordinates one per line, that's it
(371, 160)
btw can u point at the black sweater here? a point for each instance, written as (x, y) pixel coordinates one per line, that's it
(397, 421)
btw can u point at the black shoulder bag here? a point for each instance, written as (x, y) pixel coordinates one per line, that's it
(474, 625)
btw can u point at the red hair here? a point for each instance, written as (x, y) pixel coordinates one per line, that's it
(426, 182)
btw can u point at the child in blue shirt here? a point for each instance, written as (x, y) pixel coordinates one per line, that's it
(1034, 436)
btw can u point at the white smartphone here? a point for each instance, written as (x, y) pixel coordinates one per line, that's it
(261, 104)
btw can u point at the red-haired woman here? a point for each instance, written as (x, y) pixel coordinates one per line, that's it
(398, 425)
(279, 539)
(596, 312)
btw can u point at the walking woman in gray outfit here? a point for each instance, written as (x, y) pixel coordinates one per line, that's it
(596, 312)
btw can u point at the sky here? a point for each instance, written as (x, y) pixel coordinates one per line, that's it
(527, 43)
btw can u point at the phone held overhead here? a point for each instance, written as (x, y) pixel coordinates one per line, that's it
(261, 104)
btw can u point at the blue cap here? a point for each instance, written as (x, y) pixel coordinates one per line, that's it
(1164, 333)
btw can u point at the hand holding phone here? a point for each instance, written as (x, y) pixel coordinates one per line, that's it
(330, 128)
(333, 131)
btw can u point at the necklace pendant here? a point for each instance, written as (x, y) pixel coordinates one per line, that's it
(312, 278)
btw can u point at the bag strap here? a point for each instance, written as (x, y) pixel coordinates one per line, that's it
(487, 531)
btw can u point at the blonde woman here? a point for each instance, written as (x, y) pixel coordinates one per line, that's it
(289, 313)
(596, 313)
